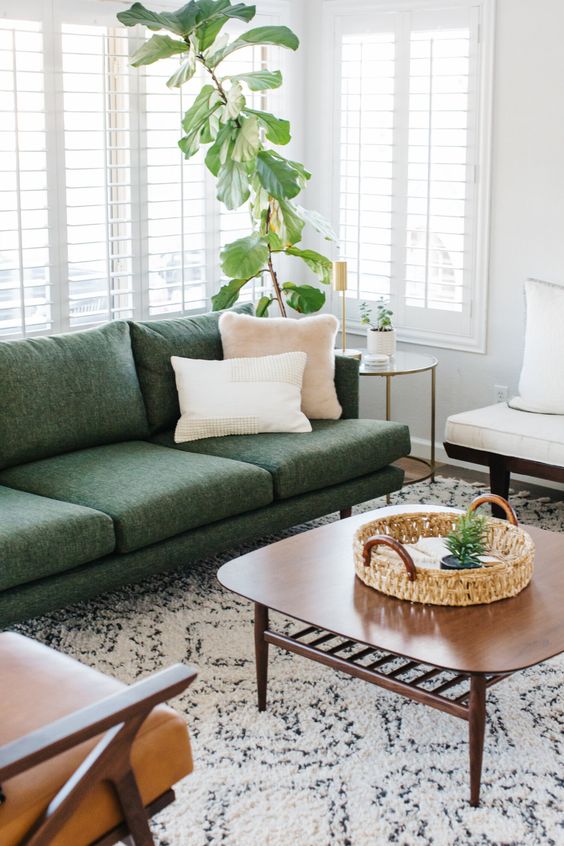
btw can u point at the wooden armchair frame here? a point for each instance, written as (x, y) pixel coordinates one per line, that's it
(119, 717)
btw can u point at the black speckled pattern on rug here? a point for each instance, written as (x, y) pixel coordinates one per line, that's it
(333, 760)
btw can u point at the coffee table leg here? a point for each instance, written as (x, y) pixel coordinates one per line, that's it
(477, 727)
(261, 653)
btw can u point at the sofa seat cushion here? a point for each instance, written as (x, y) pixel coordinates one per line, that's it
(39, 536)
(39, 686)
(150, 492)
(335, 451)
(507, 431)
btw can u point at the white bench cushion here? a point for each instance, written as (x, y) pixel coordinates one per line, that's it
(506, 431)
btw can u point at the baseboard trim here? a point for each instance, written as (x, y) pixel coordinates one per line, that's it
(421, 448)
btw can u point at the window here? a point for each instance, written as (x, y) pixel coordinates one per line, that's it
(101, 217)
(411, 189)
(26, 294)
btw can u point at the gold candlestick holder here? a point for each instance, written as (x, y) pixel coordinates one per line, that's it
(340, 285)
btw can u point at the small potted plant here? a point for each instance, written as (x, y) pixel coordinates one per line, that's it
(380, 335)
(466, 543)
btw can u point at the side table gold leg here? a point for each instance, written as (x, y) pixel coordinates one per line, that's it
(388, 412)
(433, 419)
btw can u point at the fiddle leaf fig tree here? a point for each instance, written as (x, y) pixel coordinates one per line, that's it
(240, 144)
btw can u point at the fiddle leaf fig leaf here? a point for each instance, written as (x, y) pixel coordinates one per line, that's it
(259, 80)
(304, 174)
(245, 257)
(317, 221)
(305, 299)
(292, 224)
(276, 129)
(157, 47)
(235, 102)
(277, 176)
(210, 128)
(218, 152)
(247, 142)
(241, 11)
(207, 101)
(217, 14)
(233, 186)
(180, 22)
(196, 119)
(279, 36)
(321, 265)
(263, 305)
(259, 204)
(184, 73)
(274, 241)
(228, 294)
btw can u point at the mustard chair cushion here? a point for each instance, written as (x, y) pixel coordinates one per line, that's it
(39, 686)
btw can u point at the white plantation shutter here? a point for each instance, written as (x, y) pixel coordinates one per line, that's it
(101, 217)
(97, 152)
(408, 113)
(366, 161)
(25, 277)
(177, 217)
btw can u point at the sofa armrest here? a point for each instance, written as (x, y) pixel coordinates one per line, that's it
(347, 384)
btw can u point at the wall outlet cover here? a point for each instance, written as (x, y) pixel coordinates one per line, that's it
(500, 393)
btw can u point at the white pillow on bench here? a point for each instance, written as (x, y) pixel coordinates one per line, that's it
(239, 396)
(541, 386)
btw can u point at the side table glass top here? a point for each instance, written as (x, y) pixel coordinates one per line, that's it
(401, 362)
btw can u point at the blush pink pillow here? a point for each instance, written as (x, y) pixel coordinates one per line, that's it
(244, 336)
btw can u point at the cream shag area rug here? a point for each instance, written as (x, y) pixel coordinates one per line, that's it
(333, 760)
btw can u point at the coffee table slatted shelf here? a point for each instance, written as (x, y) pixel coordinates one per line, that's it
(368, 663)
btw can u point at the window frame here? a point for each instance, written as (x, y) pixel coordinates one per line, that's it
(339, 17)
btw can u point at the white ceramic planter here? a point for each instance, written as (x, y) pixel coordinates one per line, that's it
(381, 343)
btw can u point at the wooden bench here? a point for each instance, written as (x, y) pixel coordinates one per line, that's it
(508, 441)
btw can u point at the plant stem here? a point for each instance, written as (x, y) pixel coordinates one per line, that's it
(273, 275)
(216, 81)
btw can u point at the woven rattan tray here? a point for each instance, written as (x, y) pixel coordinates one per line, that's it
(506, 541)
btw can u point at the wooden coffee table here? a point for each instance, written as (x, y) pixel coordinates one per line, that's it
(439, 656)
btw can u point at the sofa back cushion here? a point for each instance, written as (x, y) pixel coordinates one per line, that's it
(68, 392)
(155, 341)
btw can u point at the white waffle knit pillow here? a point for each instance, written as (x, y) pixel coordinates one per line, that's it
(239, 396)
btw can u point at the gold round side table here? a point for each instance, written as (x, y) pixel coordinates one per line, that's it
(404, 364)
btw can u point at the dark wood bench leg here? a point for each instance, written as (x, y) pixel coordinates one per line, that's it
(499, 482)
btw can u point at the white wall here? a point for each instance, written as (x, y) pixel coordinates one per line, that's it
(527, 219)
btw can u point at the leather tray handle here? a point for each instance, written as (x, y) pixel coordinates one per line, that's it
(496, 500)
(384, 540)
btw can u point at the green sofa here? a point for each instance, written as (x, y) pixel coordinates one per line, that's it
(94, 493)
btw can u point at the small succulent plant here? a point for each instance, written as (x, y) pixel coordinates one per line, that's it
(467, 541)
